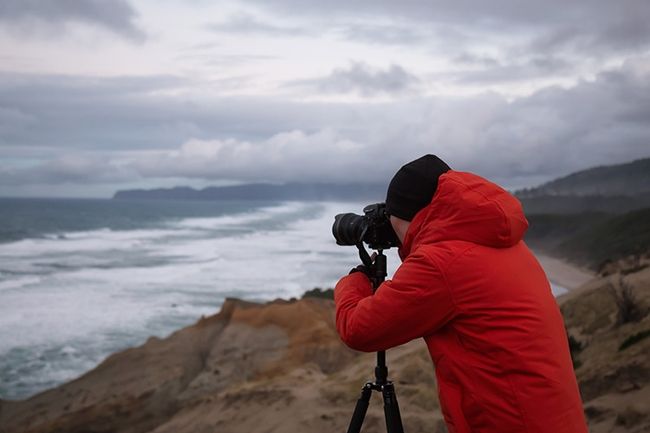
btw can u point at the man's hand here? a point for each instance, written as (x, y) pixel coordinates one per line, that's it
(363, 268)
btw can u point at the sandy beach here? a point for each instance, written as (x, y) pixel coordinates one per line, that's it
(563, 273)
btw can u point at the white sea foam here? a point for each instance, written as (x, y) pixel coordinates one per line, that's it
(78, 242)
(74, 298)
(242, 219)
(557, 289)
(18, 282)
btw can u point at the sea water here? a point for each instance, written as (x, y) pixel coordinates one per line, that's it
(81, 279)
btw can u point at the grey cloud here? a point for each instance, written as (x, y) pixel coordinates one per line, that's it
(139, 113)
(29, 16)
(493, 71)
(78, 112)
(626, 29)
(144, 135)
(364, 80)
(247, 23)
(493, 15)
(469, 58)
(556, 131)
(545, 38)
(68, 169)
(290, 155)
(383, 34)
(550, 133)
(226, 60)
(580, 27)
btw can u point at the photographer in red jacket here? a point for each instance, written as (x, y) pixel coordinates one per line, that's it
(470, 287)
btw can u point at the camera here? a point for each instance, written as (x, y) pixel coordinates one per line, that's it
(373, 228)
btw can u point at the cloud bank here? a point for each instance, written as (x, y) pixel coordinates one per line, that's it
(50, 16)
(138, 134)
(288, 90)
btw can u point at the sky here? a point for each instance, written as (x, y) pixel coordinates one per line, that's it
(99, 95)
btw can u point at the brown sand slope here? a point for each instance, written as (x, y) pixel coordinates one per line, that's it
(280, 367)
(275, 367)
(615, 383)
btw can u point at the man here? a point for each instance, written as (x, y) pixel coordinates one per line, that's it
(471, 287)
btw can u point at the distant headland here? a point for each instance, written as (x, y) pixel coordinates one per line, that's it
(263, 191)
(612, 189)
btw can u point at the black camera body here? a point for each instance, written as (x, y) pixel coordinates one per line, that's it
(373, 228)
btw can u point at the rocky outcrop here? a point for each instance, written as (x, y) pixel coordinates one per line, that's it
(609, 322)
(269, 367)
(280, 367)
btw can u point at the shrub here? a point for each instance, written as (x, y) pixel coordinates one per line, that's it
(628, 309)
(574, 348)
(633, 339)
(317, 292)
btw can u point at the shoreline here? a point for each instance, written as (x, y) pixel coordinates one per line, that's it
(563, 273)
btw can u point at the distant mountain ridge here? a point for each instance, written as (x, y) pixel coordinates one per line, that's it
(591, 239)
(629, 179)
(262, 191)
(611, 189)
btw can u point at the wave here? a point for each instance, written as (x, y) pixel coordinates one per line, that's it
(122, 286)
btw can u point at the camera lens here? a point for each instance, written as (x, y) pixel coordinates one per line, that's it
(349, 228)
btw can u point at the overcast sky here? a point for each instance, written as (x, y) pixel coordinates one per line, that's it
(99, 95)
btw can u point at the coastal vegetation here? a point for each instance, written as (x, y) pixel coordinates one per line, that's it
(591, 239)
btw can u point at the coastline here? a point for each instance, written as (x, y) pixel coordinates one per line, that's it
(563, 273)
(251, 364)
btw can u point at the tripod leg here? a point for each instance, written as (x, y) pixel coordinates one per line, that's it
(360, 409)
(391, 409)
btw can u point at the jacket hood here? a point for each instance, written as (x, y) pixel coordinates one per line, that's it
(469, 208)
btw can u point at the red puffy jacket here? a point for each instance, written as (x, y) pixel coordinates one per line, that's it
(471, 287)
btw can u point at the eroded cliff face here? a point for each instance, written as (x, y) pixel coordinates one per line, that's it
(614, 377)
(280, 367)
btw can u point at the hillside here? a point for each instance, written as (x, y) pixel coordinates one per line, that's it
(608, 189)
(629, 179)
(280, 367)
(569, 204)
(591, 239)
(609, 241)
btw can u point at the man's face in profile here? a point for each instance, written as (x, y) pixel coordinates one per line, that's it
(400, 226)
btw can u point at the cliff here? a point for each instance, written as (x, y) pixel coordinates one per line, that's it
(280, 367)
(274, 367)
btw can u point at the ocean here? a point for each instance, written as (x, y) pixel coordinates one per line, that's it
(81, 279)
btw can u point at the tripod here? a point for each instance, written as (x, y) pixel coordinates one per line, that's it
(381, 383)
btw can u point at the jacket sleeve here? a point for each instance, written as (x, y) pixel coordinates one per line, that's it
(415, 303)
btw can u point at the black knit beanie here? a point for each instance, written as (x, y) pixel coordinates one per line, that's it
(413, 186)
